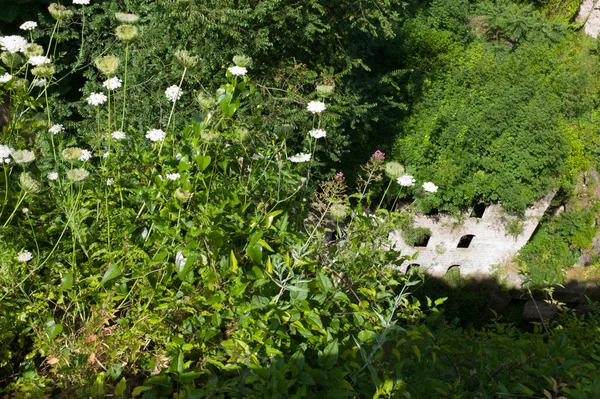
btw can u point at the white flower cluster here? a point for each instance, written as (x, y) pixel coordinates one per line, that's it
(52, 176)
(237, 70)
(13, 44)
(317, 133)
(5, 153)
(300, 157)
(86, 155)
(316, 107)
(38, 82)
(81, 2)
(5, 78)
(39, 60)
(29, 25)
(96, 99)
(24, 256)
(406, 181)
(55, 129)
(430, 187)
(155, 135)
(173, 93)
(110, 181)
(173, 176)
(117, 135)
(112, 83)
(22, 156)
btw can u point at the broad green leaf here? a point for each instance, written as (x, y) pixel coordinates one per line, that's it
(121, 387)
(66, 281)
(329, 356)
(112, 272)
(202, 161)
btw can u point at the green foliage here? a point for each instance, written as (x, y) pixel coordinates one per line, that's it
(490, 129)
(556, 246)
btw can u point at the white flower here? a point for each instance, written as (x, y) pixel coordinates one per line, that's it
(105, 155)
(430, 187)
(406, 181)
(52, 176)
(13, 44)
(39, 60)
(316, 107)
(81, 2)
(110, 181)
(237, 70)
(25, 210)
(173, 93)
(5, 152)
(23, 156)
(155, 135)
(180, 260)
(317, 133)
(38, 82)
(173, 176)
(29, 25)
(117, 135)
(86, 155)
(97, 99)
(5, 78)
(24, 256)
(55, 129)
(300, 157)
(112, 83)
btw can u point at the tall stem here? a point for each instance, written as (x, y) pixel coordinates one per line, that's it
(125, 86)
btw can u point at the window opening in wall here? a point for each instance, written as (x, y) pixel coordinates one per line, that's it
(423, 240)
(465, 241)
(478, 210)
(453, 270)
(411, 268)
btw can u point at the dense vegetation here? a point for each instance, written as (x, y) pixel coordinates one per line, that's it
(197, 196)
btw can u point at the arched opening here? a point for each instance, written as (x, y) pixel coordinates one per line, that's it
(412, 268)
(453, 271)
(465, 241)
(422, 239)
(478, 210)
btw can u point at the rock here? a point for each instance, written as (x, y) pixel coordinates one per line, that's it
(497, 302)
(533, 310)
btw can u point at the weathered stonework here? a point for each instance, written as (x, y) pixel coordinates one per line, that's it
(589, 11)
(490, 244)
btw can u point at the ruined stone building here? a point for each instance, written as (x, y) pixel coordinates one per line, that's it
(473, 245)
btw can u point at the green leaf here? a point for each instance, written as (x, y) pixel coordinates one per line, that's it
(53, 329)
(233, 262)
(112, 272)
(137, 391)
(323, 281)
(255, 253)
(120, 388)
(329, 356)
(66, 281)
(203, 161)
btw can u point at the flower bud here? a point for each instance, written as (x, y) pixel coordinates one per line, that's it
(126, 33)
(72, 154)
(43, 71)
(325, 90)
(59, 12)
(242, 61)
(34, 50)
(394, 170)
(29, 184)
(185, 59)
(126, 18)
(107, 65)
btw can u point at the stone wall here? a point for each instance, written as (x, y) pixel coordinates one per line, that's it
(490, 243)
(589, 11)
